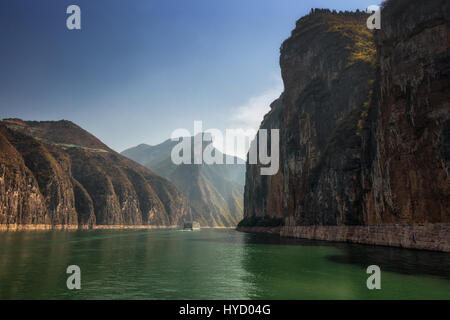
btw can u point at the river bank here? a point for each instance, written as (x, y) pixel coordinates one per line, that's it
(434, 237)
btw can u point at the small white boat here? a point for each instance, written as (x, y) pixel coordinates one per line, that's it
(191, 226)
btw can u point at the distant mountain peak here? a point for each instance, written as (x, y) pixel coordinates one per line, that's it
(215, 192)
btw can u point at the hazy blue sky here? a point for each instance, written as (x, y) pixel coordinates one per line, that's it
(139, 69)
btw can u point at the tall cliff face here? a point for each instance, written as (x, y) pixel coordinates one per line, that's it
(364, 124)
(55, 174)
(410, 137)
(328, 70)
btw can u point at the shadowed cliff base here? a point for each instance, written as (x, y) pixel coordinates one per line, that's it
(393, 259)
(433, 237)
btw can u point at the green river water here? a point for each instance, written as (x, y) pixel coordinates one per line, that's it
(210, 264)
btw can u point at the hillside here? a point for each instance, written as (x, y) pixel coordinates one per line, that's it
(215, 192)
(55, 174)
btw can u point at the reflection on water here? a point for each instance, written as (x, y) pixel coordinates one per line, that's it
(388, 258)
(210, 264)
(327, 270)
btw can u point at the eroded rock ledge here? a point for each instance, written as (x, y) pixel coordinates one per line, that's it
(424, 237)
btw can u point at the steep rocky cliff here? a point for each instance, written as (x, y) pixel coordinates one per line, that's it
(409, 123)
(364, 131)
(55, 174)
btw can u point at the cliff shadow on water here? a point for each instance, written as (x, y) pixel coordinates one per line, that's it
(391, 259)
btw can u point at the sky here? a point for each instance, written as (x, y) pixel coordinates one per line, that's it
(139, 69)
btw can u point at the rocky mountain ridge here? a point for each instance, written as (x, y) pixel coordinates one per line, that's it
(57, 175)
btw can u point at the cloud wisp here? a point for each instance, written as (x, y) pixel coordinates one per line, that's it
(248, 117)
